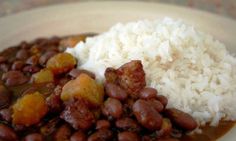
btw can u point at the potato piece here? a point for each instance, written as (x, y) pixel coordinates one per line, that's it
(43, 76)
(29, 109)
(85, 88)
(61, 63)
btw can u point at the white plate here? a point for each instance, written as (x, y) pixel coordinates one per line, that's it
(99, 16)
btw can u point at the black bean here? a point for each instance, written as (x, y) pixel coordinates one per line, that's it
(7, 134)
(115, 91)
(34, 137)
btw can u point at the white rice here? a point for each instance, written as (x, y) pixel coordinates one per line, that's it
(195, 72)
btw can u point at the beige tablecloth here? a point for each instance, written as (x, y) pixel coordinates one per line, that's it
(222, 7)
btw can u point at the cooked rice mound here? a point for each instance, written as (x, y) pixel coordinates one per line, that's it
(195, 71)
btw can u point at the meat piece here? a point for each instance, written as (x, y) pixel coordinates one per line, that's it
(111, 75)
(131, 77)
(78, 116)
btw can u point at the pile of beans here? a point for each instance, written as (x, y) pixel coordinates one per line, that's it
(44, 97)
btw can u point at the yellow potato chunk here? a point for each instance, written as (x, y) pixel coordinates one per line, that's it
(43, 76)
(85, 88)
(60, 63)
(29, 109)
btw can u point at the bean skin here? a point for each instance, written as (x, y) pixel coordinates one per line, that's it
(181, 119)
(101, 135)
(7, 134)
(146, 115)
(156, 105)
(112, 107)
(127, 124)
(148, 93)
(78, 136)
(115, 91)
(34, 137)
(162, 99)
(102, 124)
(128, 136)
(5, 97)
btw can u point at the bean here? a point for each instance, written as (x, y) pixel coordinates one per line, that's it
(22, 54)
(115, 91)
(102, 124)
(147, 93)
(127, 124)
(78, 136)
(46, 56)
(33, 60)
(128, 136)
(17, 65)
(162, 99)
(13, 78)
(157, 105)
(34, 137)
(63, 133)
(5, 114)
(75, 73)
(3, 59)
(4, 67)
(7, 134)
(167, 139)
(112, 107)
(111, 75)
(31, 69)
(181, 119)
(50, 127)
(166, 128)
(101, 135)
(5, 97)
(146, 115)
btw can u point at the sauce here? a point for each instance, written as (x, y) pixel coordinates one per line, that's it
(210, 133)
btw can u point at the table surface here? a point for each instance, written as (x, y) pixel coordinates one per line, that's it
(225, 8)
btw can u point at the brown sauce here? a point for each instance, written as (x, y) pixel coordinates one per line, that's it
(210, 133)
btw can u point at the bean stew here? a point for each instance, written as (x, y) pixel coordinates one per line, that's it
(44, 97)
